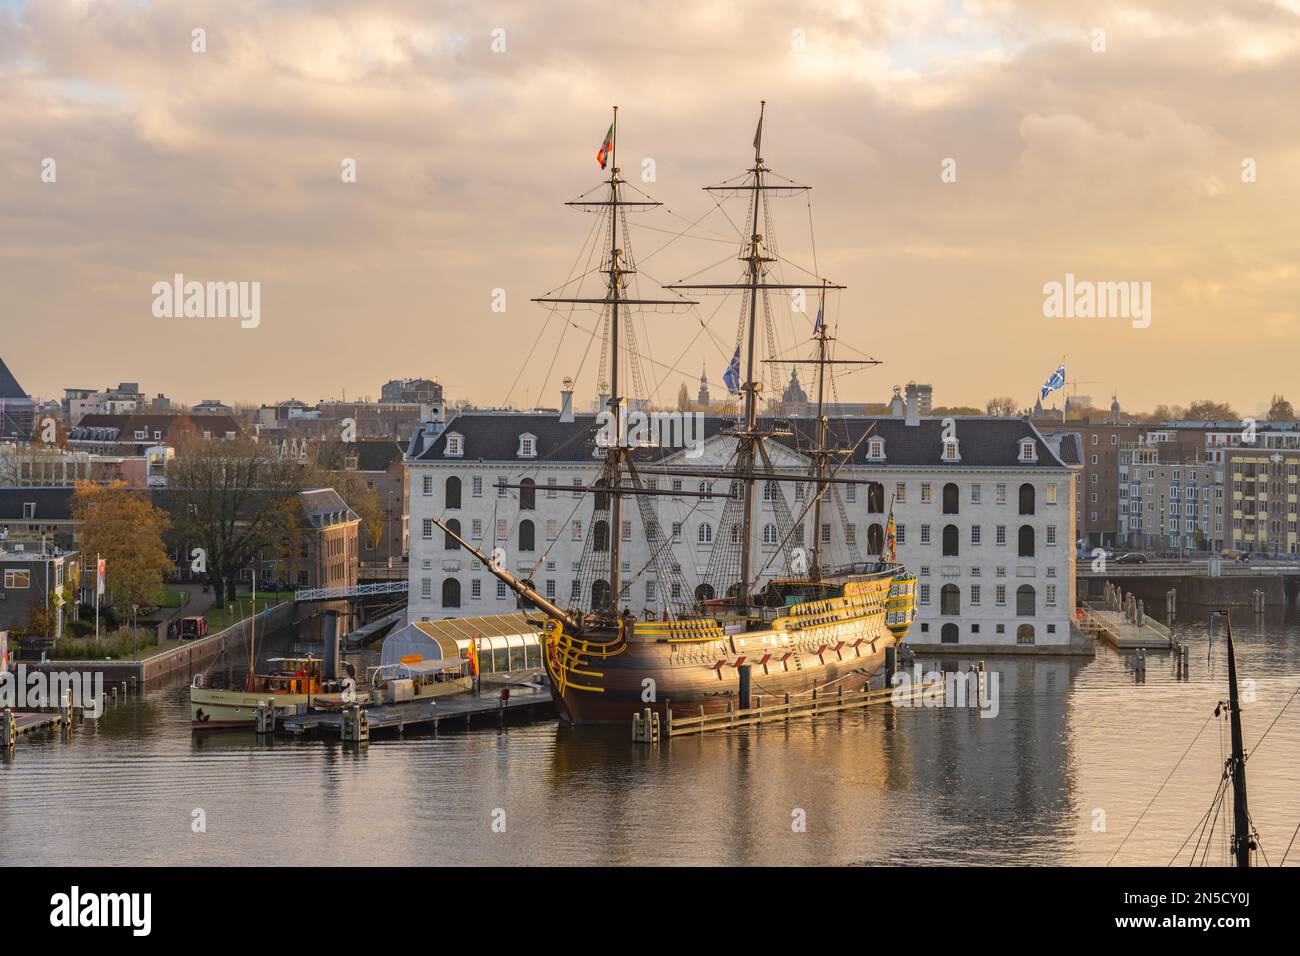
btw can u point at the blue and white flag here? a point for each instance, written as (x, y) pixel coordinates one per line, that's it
(731, 377)
(1056, 381)
(817, 325)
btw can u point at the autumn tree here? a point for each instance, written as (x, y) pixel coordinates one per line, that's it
(683, 398)
(122, 526)
(233, 498)
(1280, 410)
(1206, 410)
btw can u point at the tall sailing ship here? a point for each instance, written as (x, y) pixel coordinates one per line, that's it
(814, 624)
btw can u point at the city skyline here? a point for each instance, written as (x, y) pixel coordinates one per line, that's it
(1119, 164)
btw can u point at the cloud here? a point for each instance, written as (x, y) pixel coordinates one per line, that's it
(225, 165)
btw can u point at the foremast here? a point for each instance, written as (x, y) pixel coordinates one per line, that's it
(613, 424)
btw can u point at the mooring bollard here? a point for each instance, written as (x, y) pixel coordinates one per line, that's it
(8, 732)
(266, 717)
(67, 709)
(891, 660)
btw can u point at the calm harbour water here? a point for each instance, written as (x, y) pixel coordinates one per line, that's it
(1072, 737)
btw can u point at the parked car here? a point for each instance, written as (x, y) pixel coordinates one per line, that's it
(1133, 557)
(192, 628)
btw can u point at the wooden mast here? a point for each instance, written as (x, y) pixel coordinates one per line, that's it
(614, 424)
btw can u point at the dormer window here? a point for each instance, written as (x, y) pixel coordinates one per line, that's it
(455, 447)
(951, 450)
(876, 449)
(1028, 451)
(527, 446)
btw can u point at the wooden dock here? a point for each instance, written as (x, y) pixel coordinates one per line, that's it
(1125, 635)
(16, 723)
(646, 727)
(526, 701)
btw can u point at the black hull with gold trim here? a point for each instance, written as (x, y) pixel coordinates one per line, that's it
(606, 675)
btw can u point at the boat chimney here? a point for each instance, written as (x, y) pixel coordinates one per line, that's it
(913, 406)
(566, 401)
(330, 630)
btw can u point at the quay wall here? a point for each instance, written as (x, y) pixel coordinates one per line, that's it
(1235, 591)
(173, 663)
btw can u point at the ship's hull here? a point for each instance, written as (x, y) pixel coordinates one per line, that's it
(688, 665)
(686, 690)
(212, 709)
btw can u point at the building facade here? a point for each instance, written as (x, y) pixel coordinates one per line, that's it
(982, 508)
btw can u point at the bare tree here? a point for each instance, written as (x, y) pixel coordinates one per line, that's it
(232, 498)
(1002, 407)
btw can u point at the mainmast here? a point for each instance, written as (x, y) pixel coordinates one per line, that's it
(749, 438)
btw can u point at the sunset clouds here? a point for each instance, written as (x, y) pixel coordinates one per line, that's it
(1122, 165)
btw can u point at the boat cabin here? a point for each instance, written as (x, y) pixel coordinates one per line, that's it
(417, 679)
(288, 675)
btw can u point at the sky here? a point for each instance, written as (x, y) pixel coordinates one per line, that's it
(962, 156)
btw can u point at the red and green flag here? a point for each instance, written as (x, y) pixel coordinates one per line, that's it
(607, 147)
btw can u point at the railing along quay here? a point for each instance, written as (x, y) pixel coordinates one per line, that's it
(646, 725)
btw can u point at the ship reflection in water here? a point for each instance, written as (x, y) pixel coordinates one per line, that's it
(1076, 751)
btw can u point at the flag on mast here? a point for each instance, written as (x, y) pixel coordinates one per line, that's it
(817, 325)
(731, 377)
(758, 134)
(607, 147)
(891, 534)
(1055, 381)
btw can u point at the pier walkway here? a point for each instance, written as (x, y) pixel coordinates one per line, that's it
(525, 700)
(1124, 635)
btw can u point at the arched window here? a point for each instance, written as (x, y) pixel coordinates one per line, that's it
(602, 496)
(769, 534)
(1025, 634)
(951, 499)
(449, 543)
(527, 495)
(706, 491)
(599, 594)
(527, 536)
(950, 540)
(601, 531)
(1025, 601)
(949, 633)
(453, 492)
(1026, 499)
(450, 593)
(735, 534)
(704, 592)
(769, 491)
(950, 599)
(875, 539)
(875, 498)
(705, 534)
(1026, 537)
